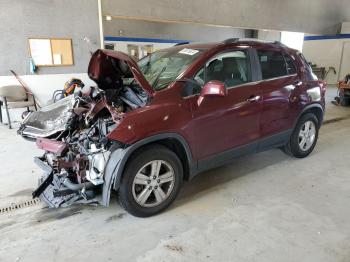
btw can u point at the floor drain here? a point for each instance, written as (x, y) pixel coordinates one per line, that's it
(16, 206)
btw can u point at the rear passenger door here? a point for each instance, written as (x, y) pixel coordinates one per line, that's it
(279, 79)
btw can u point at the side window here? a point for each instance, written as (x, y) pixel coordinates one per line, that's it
(290, 65)
(272, 64)
(231, 68)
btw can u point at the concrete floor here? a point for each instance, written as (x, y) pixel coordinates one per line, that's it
(264, 207)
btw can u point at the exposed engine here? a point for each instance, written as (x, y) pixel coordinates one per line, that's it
(73, 132)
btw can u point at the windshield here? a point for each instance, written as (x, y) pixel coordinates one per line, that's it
(162, 67)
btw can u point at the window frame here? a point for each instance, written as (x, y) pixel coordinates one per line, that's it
(293, 62)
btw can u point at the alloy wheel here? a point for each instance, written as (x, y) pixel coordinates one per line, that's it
(153, 183)
(307, 135)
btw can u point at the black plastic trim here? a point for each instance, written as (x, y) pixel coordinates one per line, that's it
(128, 151)
(226, 157)
(255, 65)
(260, 145)
(314, 105)
(276, 140)
(41, 188)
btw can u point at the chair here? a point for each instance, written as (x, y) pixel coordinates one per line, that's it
(15, 96)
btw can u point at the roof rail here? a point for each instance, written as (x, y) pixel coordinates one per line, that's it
(236, 40)
(279, 43)
(182, 43)
(230, 40)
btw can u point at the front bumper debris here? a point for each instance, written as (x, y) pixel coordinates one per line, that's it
(55, 194)
(44, 183)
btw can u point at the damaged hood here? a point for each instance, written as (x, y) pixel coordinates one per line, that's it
(106, 67)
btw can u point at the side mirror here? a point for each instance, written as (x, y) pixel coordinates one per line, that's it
(212, 88)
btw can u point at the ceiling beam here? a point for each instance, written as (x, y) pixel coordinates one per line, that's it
(309, 16)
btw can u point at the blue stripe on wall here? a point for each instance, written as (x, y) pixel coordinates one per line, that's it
(176, 41)
(325, 37)
(140, 39)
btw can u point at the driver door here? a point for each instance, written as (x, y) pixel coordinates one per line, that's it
(226, 126)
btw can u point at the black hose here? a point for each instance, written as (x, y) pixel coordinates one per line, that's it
(76, 187)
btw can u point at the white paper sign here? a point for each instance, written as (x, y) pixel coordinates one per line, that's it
(187, 51)
(40, 50)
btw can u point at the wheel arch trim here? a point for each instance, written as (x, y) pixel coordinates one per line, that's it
(307, 108)
(118, 159)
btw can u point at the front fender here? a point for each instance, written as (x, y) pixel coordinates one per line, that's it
(119, 157)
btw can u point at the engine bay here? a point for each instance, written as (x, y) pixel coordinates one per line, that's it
(73, 133)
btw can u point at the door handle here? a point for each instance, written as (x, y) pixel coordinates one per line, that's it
(253, 99)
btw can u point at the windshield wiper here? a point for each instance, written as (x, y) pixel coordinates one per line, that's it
(148, 64)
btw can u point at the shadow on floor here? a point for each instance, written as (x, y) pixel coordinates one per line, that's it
(239, 167)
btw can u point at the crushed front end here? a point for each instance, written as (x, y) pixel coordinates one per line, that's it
(73, 133)
(76, 155)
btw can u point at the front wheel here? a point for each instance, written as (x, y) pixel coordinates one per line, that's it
(304, 137)
(151, 181)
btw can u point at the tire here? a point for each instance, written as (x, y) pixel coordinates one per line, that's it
(293, 147)
(134, 185)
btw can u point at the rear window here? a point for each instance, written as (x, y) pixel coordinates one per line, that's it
(307, 67)
(305, 63)
(272, 64)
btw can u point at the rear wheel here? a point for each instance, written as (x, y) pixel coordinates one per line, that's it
(151, 181)
(304, 137)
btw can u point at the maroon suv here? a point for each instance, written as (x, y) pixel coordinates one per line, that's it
(150, 125)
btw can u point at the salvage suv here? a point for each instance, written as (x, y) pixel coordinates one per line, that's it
(149, 125)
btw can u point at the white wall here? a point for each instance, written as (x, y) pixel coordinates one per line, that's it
(269, 35)
(345, 28)
(293, 40)
(326, 53)
(42, 86)
(20, 20)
